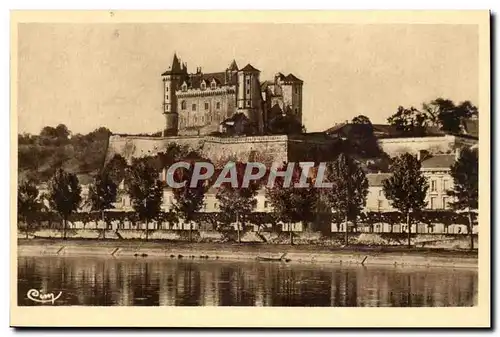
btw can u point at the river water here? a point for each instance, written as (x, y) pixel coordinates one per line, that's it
(153, 282)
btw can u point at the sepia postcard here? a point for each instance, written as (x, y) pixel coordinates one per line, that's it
(250, 169)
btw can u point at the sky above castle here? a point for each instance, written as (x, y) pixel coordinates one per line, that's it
(92, 75)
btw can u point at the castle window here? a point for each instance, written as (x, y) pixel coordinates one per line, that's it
(193, 107)
(433, 185)
(183, 105)
(218, 105)
(297, 90)
(213, 85)
(167, 97)
(248, 81)
(380, 204)
(248, 103)
(248, 91)
(203, 86)
(445, 203)
(184, 87)
(166, 88)
(206, 105)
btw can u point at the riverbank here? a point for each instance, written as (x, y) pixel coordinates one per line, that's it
(356, 255)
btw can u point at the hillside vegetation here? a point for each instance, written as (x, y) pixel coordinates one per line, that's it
(40, 155)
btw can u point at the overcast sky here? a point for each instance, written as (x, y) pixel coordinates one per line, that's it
(91, 75)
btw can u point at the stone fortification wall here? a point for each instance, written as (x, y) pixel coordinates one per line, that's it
(266, 149)
(435, 145)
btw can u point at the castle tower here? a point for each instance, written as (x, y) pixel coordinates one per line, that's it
(231, 72)
(249, 96)
(171, 81)
(291, 87)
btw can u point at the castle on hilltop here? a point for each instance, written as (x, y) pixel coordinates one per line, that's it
(205, 103)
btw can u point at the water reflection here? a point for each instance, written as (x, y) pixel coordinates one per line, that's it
(143, 282)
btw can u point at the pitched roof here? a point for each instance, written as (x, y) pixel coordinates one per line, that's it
(175, 68)
(472, 127)
(292, 78)
(264, 85)
(234, 119)
(377, 179)
(233, 66)
(249, 67)
(381, 130)
(195, 80)
(336, 128)
(439, 161)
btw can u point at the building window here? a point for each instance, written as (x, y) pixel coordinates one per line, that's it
(206, 105)
(296, 111)
(213, 85)
(193, 107)
(203, 86)
(248, 81)
(183, 105)
(218, 105)
(433, 185)
(433, 203)
(380, 204)
(248, 103)
(297, 90)
(166, 88)
(248, 91)
(381, 193)
(215, 205)
(445, 185)
(167, 97)
(184, 87)
(445, 203)
(266, 204)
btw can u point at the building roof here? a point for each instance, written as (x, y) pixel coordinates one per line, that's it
(195, 80)
(249, 67)
(471, 127)
(264, 85)
(175, 68)
(377, 179)
(380, 130)
(233, 66)
(292, 78)
(439, 161)
(239, 117)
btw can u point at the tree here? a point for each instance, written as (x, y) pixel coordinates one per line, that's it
(361, 120)
(465, 173)
(64, 195)
(448, 116)
(102, 193)
(285, 125)
(291, 203)
(188, 200)
(361, 139)
(145, 191)
(349, 191)
(116, 169)
(27, 202)
(406, 188)
(410, 121)
(238, 199)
